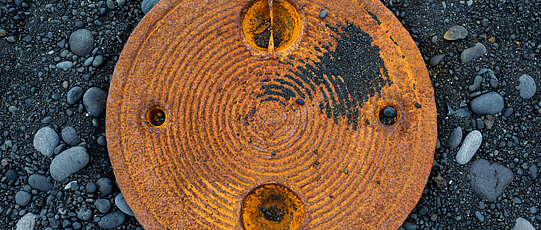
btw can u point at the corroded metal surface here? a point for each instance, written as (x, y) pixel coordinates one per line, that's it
(205, 110)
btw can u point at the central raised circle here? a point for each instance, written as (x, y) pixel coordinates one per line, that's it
(272, 206)
(271, 25)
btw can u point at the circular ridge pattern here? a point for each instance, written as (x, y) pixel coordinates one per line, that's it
(306, 117)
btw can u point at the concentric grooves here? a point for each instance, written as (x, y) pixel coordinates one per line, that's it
(238, 118)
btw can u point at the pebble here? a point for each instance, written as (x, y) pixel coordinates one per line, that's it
(88, 61)
(532, 171)
(2, 33)
(146, 5)
(112, 220)
(74, 95)
(70, 136)
(102, 205)
(45, 140)
(91, 187)
(110, 4)
(436, 59)
(489, 180)
(102, 141)
(527, 86)
(455, 33)
(81, 42)
(322, 14)
(472, 53)
(469, 147)
(40, 182)
(10, 39)
(64, 65)
(121, 204)
(455, 138)
(105, 186)
(389, 111)
(97, 61)
(84, 213)
(523, 224)
(476, 83)
(479, 216)
(28, 221)
(68, 162)
(12, 109)
(95, 100)
(488, 103)
(22, 198)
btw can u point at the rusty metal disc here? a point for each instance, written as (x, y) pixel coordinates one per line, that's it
(271, 115)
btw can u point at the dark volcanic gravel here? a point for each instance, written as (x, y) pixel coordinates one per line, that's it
(38, 68)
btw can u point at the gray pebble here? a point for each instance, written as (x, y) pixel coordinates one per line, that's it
(70, 136)
(102, 141)
(105, 186)
(488, 103)
(523, 224)
(110, 4)
(146, 5)
(22, 198)
(45, 140)
(112, 220)
(472, 53)
(28, 221)
(12, 109)
(479, 216)
(527, 86)
(508, 112)
(64, 65)
(2, 33)
(455, 138)
(469, 147)
(68, 162)
(121, 204)
(489, 180)
(39, 182)
(476, 83)
(455, 33)
(81, 42)
(95, 100)
(74, 95)
(11, 39)
(322, 14)
(121, 2)
(91, 187)
(97, 61)
(436, 59)
(88, 61)
(84, 213)
(533, 210)
(532, 171)
(102, 205)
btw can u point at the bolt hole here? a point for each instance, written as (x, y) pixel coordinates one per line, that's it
(388, 115)
(156, 116)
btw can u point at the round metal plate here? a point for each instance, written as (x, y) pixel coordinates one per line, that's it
(211, 124)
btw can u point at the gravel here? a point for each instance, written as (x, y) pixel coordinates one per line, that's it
(527, 86)
(45, 140)
(472, 53)
(488, 103)
(81, 42)
(469, 147)
(95, 100)
(68, 162)
(489, 180)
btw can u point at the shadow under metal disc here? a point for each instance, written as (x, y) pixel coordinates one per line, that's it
(259, 115)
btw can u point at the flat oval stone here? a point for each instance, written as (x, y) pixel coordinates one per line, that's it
(488, 103)
(68, 162)
(469, 147)
(455, 33)
(527, 86)
(472, 53)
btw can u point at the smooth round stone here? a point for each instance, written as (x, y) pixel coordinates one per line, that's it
(389, 111)
(39, 182)
(469, 147)
(146, 5)
(102, 205)
(22, 198)
(105, 186)
(455, 138)
(121, 204)
(527, 86)
(95, 100)
(74, 95)
(97, 61)
(436, 59)
(68, 162)
(472, 53)
(112, 220)
(455, 33)
(45, 140)
(322, 14)
(81, 42)
(70, 136)
(488, 103)
(523, 224)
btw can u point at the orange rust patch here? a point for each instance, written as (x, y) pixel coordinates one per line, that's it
(303, 115)
(272, 206)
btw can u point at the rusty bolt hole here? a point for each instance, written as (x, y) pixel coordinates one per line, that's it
(272, 206)
(156, 116)
(388, 115)
(271, 25)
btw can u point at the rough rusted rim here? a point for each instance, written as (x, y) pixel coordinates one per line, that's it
(388, 194)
